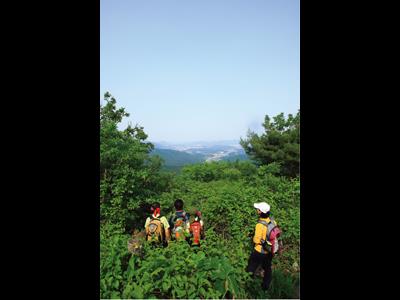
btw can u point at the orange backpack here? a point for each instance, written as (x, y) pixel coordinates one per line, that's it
(195, 229)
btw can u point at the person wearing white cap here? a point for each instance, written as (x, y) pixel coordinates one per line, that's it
(260, 256)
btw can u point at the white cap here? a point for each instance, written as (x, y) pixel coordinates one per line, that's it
(263, 206)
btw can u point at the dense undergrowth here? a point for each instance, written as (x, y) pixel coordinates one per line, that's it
(223, 191)
(217, 269)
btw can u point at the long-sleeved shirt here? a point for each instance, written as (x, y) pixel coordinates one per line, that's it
(260, 234)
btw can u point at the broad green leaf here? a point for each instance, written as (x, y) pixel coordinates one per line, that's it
(116, 284)
(202, 292)
(220, 286)
(156, 271)
(137, 292)
(166, 285)
(127, 291)
(181, 293)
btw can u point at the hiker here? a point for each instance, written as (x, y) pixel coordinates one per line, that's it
(157, 226)
(179, 222)
(265, 243)
(197, 229)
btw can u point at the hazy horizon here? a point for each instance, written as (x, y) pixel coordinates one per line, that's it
(222, 141)
(191, 71)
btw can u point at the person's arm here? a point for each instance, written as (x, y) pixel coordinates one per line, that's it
(167, 235)
(146, 224)
(258, 234)
(166, 228)
(170, 225)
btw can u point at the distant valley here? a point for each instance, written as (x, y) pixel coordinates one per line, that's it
(176, 156)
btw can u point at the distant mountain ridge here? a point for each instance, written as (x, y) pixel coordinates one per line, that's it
(197, 145)
(176, 156)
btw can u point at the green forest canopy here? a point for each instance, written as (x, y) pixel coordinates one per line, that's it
(280, 143)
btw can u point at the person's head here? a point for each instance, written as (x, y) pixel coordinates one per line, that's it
(262, 209)
(197, 215)
(178, 204)
(265, 215)
(155, 207)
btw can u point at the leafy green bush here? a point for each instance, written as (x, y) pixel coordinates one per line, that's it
(280, 143)
(114, 257)
(180, 272)
(128, 174)
(211, 171)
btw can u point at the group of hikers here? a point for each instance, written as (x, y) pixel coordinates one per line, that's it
(178, 227)
(159, 230)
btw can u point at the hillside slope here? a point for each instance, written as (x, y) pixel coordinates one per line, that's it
(176, 159)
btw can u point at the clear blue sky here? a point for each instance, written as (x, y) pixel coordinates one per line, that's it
(200, 70)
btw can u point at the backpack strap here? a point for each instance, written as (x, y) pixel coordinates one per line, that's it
(266, 225)
(263, 222)
(270, 225)
(186, 216)
(156, 218)
(174, 218)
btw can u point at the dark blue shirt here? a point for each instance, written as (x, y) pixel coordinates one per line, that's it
(177, 215)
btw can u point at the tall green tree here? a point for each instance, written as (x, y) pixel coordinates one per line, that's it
(280, 144)
(128, 174)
